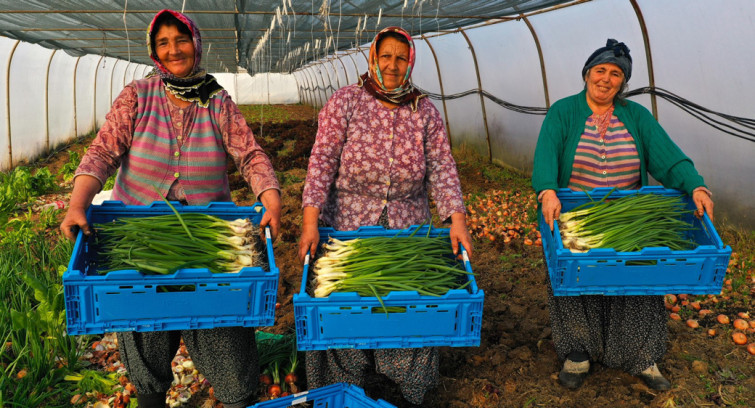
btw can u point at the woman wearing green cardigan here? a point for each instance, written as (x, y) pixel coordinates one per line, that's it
(598, 139)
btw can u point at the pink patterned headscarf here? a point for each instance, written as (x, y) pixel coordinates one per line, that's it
(198, 86)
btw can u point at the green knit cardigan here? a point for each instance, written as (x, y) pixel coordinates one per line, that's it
(563, 127)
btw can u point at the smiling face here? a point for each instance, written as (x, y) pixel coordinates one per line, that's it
(393, 60)
(175, 50)
(603, 82)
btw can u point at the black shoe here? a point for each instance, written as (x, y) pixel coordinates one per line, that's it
(573, 373)
(654, 379)
(571, 381)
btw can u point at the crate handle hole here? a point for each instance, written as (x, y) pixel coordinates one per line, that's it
(389, 309)
(644, 262)
(175, 288)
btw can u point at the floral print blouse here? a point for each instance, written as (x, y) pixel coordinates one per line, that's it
(113, 141)
(367, 158)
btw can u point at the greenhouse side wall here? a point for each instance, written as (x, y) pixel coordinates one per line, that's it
(52, 98)
(527, 64)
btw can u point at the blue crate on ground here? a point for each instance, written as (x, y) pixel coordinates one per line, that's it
(339, 395)
(128, 300)
(347, 320)
(652, 271)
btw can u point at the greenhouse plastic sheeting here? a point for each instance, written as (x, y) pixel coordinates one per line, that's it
(532, 62)
(54, 97)
(528, 57)
(269, 88)
(261, 36)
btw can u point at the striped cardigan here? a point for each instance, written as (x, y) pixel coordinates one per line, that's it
(155, 160)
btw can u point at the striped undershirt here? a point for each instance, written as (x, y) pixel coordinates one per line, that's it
(606, 156)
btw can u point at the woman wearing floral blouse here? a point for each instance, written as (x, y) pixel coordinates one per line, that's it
(380, 148)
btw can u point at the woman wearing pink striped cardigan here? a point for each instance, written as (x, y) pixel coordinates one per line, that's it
(173, 131)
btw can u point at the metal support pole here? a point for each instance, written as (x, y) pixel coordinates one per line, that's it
(310, 81)
(112, 74)
(75, 117)
(322, 89)
(479, 91)
(335, 72)
(47, 104)
(648, 55)
(94, 109)
(442, 94)
(542, 60)
(298, 87)
(345, 73)
(125, 71)
(330, 81)
(7, 102)
(306, 92)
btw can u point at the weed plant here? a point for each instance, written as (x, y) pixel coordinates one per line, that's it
(35, 351)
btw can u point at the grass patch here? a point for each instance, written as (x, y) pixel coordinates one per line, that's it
(265, 113)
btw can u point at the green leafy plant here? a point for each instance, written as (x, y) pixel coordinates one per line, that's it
(69, 168)
(19, 185)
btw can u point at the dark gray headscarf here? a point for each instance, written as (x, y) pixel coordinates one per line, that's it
(615, 53)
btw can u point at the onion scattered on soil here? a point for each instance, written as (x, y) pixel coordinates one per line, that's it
(739, 338)
(740, 324)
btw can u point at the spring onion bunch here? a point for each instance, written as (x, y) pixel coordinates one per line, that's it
(627, 224)
(376, 266)
(165, 243)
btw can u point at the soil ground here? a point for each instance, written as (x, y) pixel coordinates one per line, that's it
(516, 364)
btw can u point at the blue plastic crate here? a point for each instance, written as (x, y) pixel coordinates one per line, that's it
(339, 395)
(608, 272)
(128, 300)
(347, 320)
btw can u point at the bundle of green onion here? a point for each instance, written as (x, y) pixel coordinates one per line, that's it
(627, 224)
(163, 244)
(376, 266)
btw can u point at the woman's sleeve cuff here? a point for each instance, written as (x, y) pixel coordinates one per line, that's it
(705, 189)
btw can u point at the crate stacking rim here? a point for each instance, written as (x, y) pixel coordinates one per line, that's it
(651, 271)
(338, 395)
(348, 320)
(128, 300)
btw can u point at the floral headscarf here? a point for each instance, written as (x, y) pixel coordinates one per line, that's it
(372, 80)
(198, 86)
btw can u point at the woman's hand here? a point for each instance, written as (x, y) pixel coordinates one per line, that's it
(85, 187)
(551, 207)
(271, 199)
(74, 220)
(703, 203)
(310, 235)
(459, 234)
